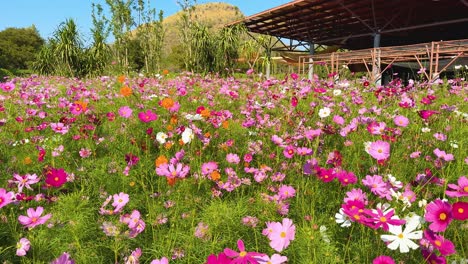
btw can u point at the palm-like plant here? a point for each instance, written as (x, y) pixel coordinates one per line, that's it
(68, 47)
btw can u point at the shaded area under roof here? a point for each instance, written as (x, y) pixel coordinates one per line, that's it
(352, 24)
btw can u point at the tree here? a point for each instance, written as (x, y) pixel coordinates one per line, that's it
(18, 47)
(68, 48)
(99, 53)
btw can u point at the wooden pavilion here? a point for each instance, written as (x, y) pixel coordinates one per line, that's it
(378, 33)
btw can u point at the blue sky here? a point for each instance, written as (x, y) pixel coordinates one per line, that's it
(46, 15)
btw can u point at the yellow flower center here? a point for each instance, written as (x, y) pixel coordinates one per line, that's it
(400, 236)
(242, 253)
(357, 217)
(460, 210)
(465, 189)
(283, 235)
(442, 216)
(56, 179)
(34, 219)
(174, 173)
(379, 150)
(1, 200)
(383, 219)
(438, 243)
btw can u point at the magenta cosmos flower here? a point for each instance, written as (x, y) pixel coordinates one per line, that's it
(383, 260)
(147, 116)
(56, 177)
(460, 211)
(439, 214)
(379, 150)
(460, 190)
(242, 257)
(5, 197)
(281, 234)
(221, 258)
(445, 246)
(34, 217)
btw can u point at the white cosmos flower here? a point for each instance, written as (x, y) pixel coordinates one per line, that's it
(402, 239)
(187, 135)
(324, 112)
(161, 137)
(425, 130)
(193, 117)
(337, 92)
(342, 219)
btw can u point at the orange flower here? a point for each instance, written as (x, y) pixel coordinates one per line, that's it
(167, 103)
(83, 105)
(169, 127)
(121, 78)
(207, 134)
(165, 72)
(168, 145)
(171, 181)
(126, 91)
(215, 175)
(160, 160)
(27, 161)
(174, 120)
(205, 113)
(225, 124)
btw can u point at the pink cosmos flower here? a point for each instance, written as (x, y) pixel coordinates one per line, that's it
(63, 259)
(22, 247)
(440, 136)
(147, 116)
(460, 190)
(84, 152)
(383, 260)
(34, 217)
(242, 257)
(56, 177)
(172, 171)
(163, 260)
(401, 121)
(460, 211)
(379, 150)
(208, 167)
(76, 109)
(377, 186)
(356, 195)
(8, 86)
(5, 197)
(338, 120)
(120, 200)
(442, 155)
(232, 158)
(439, 242)
(23, 181)
(294, 101)
(375, 128)
(289, 152)
(125, 112)
(274, 259)
(282, 234)
(286, 191)
(439, 214)
(415, 154)
(60, 128)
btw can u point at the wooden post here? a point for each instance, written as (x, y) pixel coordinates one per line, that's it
(376, 61)
(311, 61)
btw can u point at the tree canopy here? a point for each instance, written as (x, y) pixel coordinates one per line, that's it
(18, 47)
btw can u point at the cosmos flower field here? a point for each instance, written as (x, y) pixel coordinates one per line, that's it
(191, 169)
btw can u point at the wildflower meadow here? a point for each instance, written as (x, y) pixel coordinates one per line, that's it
(203, 169)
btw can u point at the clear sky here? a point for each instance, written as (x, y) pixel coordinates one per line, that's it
(46, 15)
